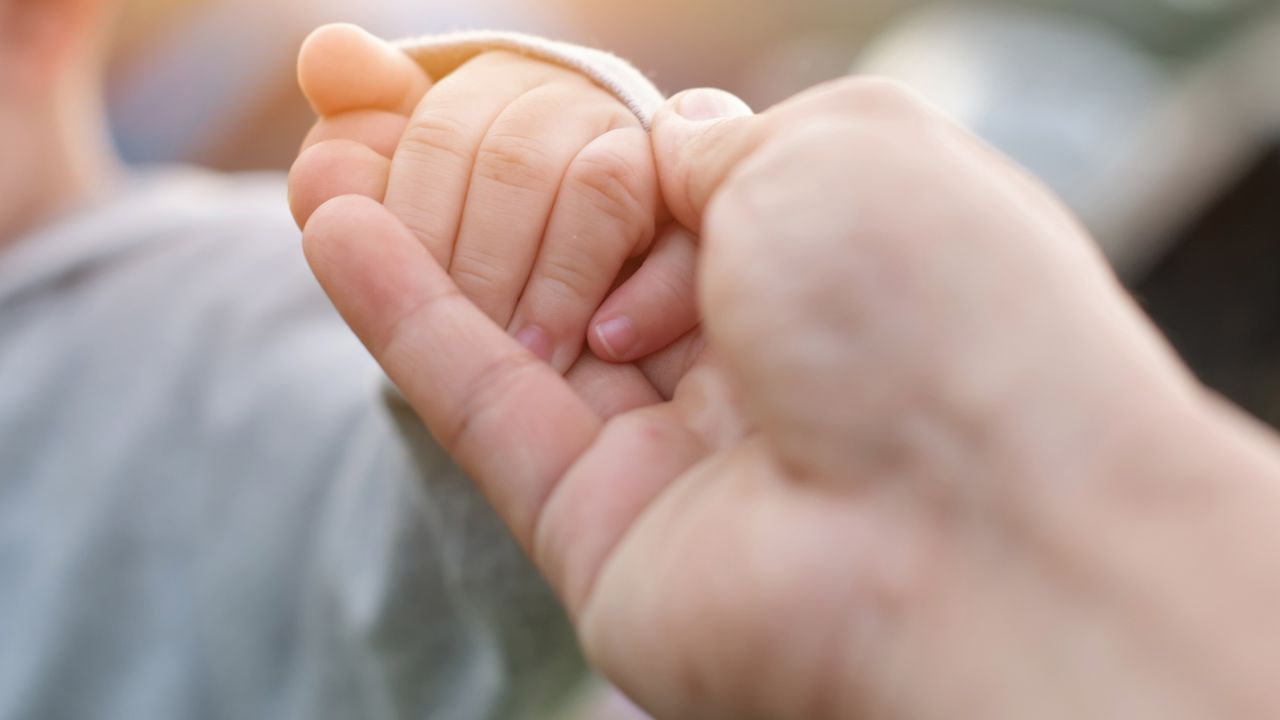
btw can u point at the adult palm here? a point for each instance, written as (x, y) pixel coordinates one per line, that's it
(838, 508)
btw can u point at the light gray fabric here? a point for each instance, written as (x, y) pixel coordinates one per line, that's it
(209, 508)
(442, 54)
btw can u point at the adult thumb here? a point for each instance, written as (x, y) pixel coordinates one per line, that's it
(699, 137)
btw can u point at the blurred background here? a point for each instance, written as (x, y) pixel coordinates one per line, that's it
(1157, 120)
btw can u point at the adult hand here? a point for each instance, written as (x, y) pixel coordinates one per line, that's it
(934, 462)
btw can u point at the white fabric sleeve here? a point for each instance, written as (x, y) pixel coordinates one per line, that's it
(442, 54)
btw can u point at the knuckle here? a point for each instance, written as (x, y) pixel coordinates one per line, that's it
(673, 283)
(437, 132)
(877, 96)
(611, 186)
(396, 342)
(514, 160)
(571, 274)
(687, 169)
(326, 156)
(621, 117)
(306, 171)
(310, 156)
(498, 59)
(477, 276)
(331, 168)
(487, 395)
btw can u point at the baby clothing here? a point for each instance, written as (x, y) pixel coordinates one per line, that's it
(442, 54)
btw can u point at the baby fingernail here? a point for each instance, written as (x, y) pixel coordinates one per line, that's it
(535, 340)
(709, 104)
(617, 336)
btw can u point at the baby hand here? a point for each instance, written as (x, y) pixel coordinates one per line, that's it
(531, 185)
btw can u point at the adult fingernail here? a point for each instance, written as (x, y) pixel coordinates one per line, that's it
(535, 340)
(617, 336)
(709, 104)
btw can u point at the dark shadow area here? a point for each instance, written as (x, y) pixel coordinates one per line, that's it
(1217, 294)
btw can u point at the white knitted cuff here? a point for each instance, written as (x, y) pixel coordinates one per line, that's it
(442, 54)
